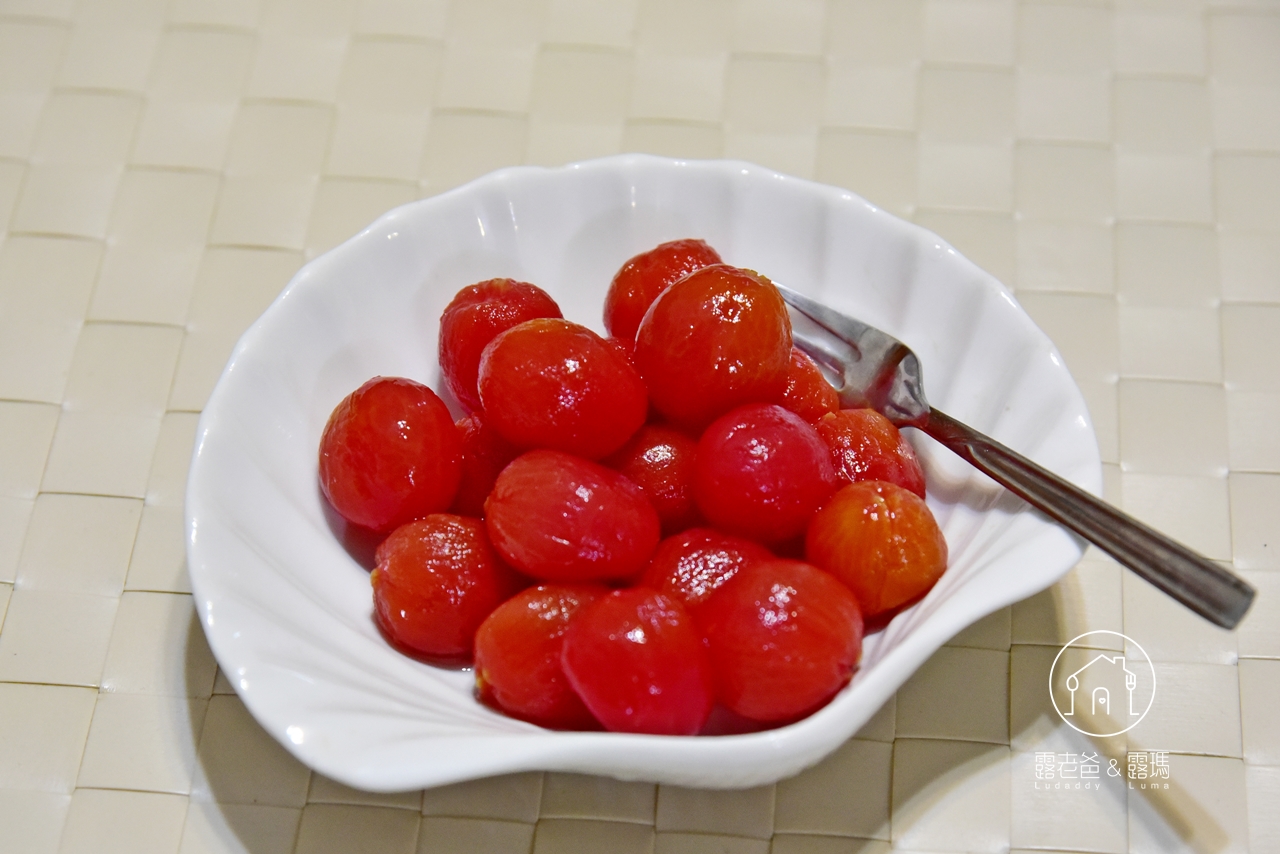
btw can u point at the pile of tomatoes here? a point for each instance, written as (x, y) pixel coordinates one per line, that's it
(630, 532)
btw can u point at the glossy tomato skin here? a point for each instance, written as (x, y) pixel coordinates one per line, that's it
(551, 383)
(881, 540)
(484, 455)
(517, 661)
(808, 393)
(718, 338)
(471, 320)
(436, 581)
(390, 453)
(659, 459)
(689, 566)
(638, 283)
(761, 472)
(562, 518)
(783, 637)
(866, 446)
(638, 663)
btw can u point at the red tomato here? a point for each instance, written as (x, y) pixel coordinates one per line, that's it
(808, 393)
(696, 347)
(693, 563)
(638, 663)
(436, 581)
(659, 459)
(484, 454)
(866, 446)
(761, 472)
(518, 650)
(477, 313)
(390, 453)
(783, 637)
(881, 541)
(648, 274)
(626, 348)
(718, 338)
(550, 383)
(558, 517)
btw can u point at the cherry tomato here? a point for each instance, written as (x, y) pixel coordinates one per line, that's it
(718, 338)
(550, 383)
(641, 279)
(390, 453)
(626, 347)
(783, 637)
(697, 347)
(518, 650)
(659, 459)
(761, 472)
(484, 454)
(638, 663)
(558, 517)
(866, 446)
(477, 313)
(881, 541)
(808, 393)
(436, 581)
(690, 565)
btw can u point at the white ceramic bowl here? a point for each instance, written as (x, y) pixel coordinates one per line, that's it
(288, 611)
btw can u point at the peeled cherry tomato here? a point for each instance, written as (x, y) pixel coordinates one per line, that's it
(518, 650)
(550, 383)
(484, 454)
(558, 517)
(641, 279)
(436, 581)
(866, 446)
(626, 348)
(783, 637)
(808, 393)
(718, 338)
(389, 453)
(659, 460)
(638, 663)
(477, 313)
(881, 541)
(693, 563)
(761, 472)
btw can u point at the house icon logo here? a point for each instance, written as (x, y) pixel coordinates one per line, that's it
(1102, 691)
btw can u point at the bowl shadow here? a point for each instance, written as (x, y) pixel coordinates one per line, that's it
(358, 542)
(257, 826)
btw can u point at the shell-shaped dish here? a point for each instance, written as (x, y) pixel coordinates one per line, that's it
(288, 611)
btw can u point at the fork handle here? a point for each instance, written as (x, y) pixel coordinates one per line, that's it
(1192, 579)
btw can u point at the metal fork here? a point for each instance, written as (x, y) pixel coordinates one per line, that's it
(877, 370)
